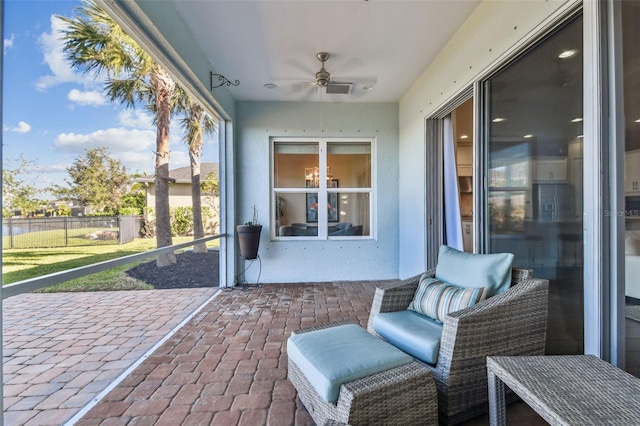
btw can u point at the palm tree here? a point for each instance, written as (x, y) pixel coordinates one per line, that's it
(94, 42)
(196, 123)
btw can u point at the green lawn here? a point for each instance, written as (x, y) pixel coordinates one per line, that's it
(21, 264)
(61, 238)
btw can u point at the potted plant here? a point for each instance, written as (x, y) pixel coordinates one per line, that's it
(249, 237)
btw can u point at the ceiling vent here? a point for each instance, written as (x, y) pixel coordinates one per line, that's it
(339, 88)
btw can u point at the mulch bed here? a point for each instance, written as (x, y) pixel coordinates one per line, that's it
(192, 270)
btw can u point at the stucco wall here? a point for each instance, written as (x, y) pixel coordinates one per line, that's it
(179, 195)
(496, 30)
(294, 261)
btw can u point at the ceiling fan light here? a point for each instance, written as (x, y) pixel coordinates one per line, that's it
(568, 54)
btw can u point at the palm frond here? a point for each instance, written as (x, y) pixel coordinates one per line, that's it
(191, 124)
(126, 91)
(196, 123)
(94, 42)
(180, 100)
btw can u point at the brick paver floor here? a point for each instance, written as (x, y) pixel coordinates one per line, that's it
(228, 364)
(63, 349)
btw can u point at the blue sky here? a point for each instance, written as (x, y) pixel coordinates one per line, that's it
(51, 113)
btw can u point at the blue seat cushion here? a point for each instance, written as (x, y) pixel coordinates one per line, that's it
(411, 332)
(333, 356)
(475, 270)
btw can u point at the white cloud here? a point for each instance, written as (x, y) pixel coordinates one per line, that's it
(53, 168)
(133, 147)
(136, 119)
(142, 161)
(51, 45)
(178, 159)
(90, 97)
(8, 42)
(22, 127)
(118, 140)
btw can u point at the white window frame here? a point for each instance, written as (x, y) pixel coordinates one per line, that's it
(323, 190)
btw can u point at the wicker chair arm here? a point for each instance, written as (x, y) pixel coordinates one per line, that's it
(520, 274)
(511, 323)
(535, 288)
(397, 295)
(393, 296)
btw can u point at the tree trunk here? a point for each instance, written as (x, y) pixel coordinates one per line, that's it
(198, 227)
(164, 86)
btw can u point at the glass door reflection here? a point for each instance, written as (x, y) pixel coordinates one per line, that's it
(534, 172)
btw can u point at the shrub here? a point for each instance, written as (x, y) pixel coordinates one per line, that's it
(127, 211)
(181, 221)
(63, 210)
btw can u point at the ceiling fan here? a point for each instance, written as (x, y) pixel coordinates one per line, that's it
(323, 80)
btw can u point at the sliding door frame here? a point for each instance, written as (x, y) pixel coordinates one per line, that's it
(601, 186)
(434, 178)
(605, 38)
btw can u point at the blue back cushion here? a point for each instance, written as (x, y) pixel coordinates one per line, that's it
(475, 270)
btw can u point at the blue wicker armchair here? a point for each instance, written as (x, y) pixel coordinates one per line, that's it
(511, 323)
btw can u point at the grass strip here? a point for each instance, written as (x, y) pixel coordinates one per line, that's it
(22, 264)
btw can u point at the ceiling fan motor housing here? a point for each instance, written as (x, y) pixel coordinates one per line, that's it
(323, 78)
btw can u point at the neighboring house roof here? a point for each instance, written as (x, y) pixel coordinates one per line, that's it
(183, 174)
(56, 203)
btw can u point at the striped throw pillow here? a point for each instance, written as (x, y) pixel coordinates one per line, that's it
(436, 299)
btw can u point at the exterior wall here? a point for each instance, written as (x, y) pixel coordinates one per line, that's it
(179, 195)
(494, 31)
(295, 261)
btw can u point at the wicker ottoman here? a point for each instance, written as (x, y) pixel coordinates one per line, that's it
(399, 395)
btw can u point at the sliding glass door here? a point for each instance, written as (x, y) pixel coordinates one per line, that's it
(630, 16)
(534, 186)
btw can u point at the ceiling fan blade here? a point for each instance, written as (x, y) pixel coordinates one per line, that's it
(296, 65)
(295, 91)
(300, 87)
(346, 66)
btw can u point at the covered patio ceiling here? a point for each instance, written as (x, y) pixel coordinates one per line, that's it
(384, 45)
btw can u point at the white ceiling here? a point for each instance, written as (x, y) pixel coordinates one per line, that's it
(382, 42)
